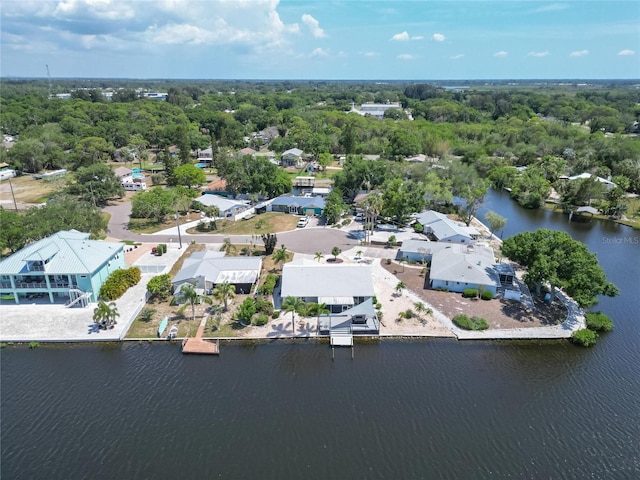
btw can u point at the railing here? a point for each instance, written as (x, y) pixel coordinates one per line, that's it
(30, 285)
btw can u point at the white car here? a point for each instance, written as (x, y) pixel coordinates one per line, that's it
(359, 217)
(303, 222)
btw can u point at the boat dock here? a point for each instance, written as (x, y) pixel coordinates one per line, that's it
(341, 337)
(199, 346)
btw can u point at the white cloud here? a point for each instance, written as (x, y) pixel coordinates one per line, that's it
(319, 52)
(538, 54)
(626, 52)
(554, 7)
(417, 37)
(405, 56)
(457, 57)
(501, 53)
(438, 37)
(369, 54)
(400, 37)
(579, 53)
(314, 25)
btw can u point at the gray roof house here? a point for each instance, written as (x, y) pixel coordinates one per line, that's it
(464, 266)
(442, 229)
(228, 208)
(207, 268)
(292, 157)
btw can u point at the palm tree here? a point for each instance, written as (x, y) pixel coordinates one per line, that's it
(321, 309)
(104, 315)
(191, 297)
(281, 255)
(420, 309)
(400, 287)
(223, 292)
(373, 207)
(319, 256)
(227, 246)
(293, 305)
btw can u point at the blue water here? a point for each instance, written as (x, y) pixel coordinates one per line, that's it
(201, 165)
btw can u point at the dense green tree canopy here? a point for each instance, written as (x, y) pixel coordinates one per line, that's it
(554, 258)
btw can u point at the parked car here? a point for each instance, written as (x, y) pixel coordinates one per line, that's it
(303, 222)
(359, 217)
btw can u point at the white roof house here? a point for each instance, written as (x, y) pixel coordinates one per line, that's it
(607, 183)
(339, 286)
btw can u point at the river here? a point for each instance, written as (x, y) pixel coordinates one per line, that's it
(286, 410)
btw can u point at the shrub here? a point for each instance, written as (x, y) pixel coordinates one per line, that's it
(264, 306)
(374, 300)
(470, 293)
(160, 286)
(34, 345)
(584, 337)
(418, 227)
(598, 321)
(486, 295)
(275, 314)
(269, 284)
(158, 178)
(147, 314)
(388, 261)
(260, 320)
(409, 314)
(246, 310)
(473, 323)
(119, 282)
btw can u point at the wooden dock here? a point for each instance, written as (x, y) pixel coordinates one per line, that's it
(199, 346)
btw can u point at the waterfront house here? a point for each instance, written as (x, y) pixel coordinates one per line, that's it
(460, 267)
(291, 158)
(346, 290)
(305, 205)
(207, 268)
(65, 267)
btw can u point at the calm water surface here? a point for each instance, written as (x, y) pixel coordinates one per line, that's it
(428, 409)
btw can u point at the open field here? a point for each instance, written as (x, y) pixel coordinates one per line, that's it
(269, 222)
(28, 190)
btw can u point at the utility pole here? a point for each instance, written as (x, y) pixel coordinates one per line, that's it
(15, 205)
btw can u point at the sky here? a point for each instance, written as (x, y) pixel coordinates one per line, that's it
(321, 39)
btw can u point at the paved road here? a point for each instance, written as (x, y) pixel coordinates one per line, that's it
(302, 240)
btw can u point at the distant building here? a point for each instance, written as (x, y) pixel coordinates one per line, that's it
(306, 205)
(375, 109)
(292, 157)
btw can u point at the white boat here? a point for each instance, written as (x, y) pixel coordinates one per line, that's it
(173, 332)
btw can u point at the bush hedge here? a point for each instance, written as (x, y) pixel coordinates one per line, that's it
(260, 319)
(264, 306)
(470, 293)
(598, 322)
(486, 295)
(269, 284)
(584, 337)
(473, 323)
(119, 282)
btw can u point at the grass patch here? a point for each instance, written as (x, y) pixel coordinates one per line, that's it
(147, 225)
(598, 321)
(473, 323)
(269, 222)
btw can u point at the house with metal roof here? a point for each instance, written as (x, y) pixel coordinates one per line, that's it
(346, 290)
(206, 269)
(228, 208)
(65, 267)
(298, 205)
(291, 157)
(441, 228)
(340, 286)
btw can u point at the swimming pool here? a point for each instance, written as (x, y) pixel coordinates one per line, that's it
(201, 165)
